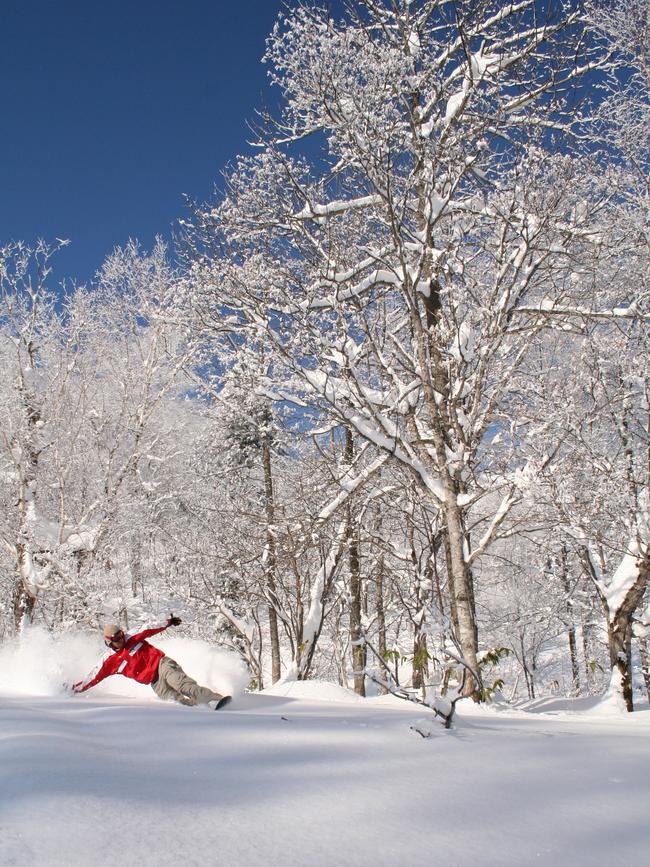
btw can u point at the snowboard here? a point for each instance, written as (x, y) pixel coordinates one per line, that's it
(223, 702)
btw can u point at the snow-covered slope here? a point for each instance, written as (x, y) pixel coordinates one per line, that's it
(283, 778)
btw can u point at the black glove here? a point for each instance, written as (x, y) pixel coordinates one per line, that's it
(174, 621)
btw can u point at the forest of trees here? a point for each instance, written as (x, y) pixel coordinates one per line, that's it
(382, 416)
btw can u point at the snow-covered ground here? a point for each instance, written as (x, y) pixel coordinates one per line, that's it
(306, 775)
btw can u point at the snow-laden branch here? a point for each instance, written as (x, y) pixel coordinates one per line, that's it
(349, 484)
(314, 620)
(380, 430)
(378, 277)
(500, 515)
(316, 211)
(552, 309)
(632, 567)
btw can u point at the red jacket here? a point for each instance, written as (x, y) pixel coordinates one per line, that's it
(138, 660)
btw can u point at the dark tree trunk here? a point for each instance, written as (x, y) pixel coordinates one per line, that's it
(573, 652)
(356, 589)
(23, 600)
(619, 629)
(573, 647)
(381, 613)
(271, 564)
(645, 664)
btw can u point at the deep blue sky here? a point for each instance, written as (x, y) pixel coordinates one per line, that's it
(111, 111)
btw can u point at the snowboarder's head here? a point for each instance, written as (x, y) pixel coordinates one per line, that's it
(113, 636)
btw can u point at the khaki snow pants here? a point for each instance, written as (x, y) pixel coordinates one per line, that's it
(174, 685)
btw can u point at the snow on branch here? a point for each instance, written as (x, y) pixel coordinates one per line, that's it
(315, 615)
(378, 277)
(506, 504)
(629, 312)
(349, 484)
(314, 211)
(629, 571)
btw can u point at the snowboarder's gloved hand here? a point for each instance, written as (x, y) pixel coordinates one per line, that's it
(76, 687)
(174, 621)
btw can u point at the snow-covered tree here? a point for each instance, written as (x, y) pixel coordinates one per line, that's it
(38, 362)
(600, 410)
(600, 480)
(391, 274)
(89, 377)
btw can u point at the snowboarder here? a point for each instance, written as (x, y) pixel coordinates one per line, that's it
(132, 656)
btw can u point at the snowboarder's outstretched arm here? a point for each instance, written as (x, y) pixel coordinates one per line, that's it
(104, 668)
(155, 628)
